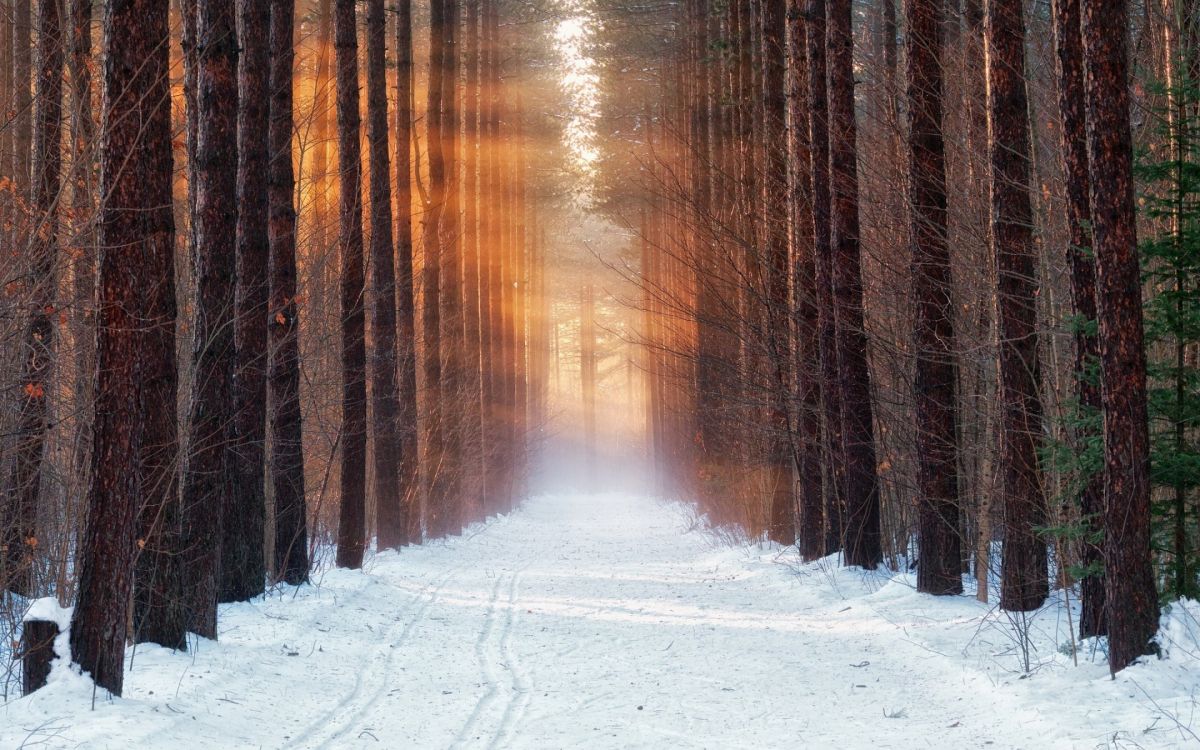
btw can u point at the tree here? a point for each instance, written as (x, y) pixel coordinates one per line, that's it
(936, 398)
(353, 439)
(207, 475)
(1131, 601)
(409, 490)
(1068, 42)
(159, 604)
(1023, 568)
(385, 390)
(243, 567)
(283, 379)
(21, 534)
(136, 64)
(861, 522)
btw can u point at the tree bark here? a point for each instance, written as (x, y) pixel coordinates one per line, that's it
(1023, 583)
(1131, 600)
(939, 570)
(1069, 46)
(207, 478)
(290, 563)
(385, 393)
(410, 517)
(243, 567)
(861, 523)
(134, 30)
(352, 516)
(435, 507)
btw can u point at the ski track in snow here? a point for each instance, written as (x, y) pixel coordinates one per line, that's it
(585, 621)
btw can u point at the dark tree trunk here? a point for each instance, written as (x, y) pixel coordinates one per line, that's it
(207, 481)
(782, 528)
(385, 393)
(1069, 46)
(861, 522)
(435, 507)
(1023, 582)
(243, 567)
(409, 521)
(134, 30)
(37, 346)
(494, 338)
(352, 517)
(1130, 595)
(811, 515)
(472, 462)
(939, 570)
(283, 370)
(159, 604)
(827, 338)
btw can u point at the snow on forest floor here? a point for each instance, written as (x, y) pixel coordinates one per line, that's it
(601, 621)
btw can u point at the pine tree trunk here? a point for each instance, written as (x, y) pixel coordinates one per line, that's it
(782, 529)
(134, 31)
(409, 520)
(811, 525)
(385, 393)
(473, 460)
(37, 346)
(587, 377)
(861, 522)
(159, 604)
(352, 517)
(1023, 583)
(493, 221)
(1131, 600)
(243, 567)
(1069, 46)
(435, 454)
(939, 568)
(291, 561)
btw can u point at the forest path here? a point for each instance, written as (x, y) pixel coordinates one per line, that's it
(591, 621)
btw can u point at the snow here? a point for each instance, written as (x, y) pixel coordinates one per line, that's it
(602, 621)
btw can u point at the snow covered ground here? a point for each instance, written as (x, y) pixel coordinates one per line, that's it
(601, 621)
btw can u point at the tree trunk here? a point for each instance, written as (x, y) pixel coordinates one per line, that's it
(435, 507)
(811, 526)
(159, 604)
(587, 377)
(385, 393)
(1130, 595)
(37, 347)
(473, 458)
(207, 480)
(782, 529)
(135, 30)
(243, 567)
(283, 368)
(1023, 583)
(1069, 46)
(409, 520)
(939, 569)
(352, 516)
(862, 542)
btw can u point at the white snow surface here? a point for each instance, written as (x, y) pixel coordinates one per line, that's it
(612, 621)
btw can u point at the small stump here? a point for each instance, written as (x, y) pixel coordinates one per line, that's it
(40, 628)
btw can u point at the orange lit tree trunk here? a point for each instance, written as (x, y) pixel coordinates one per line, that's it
(385, 393)
(472, 460)
(290, 560)
(435, 452)
(353, 438)
(409, 521)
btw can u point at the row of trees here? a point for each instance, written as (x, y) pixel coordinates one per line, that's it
(197, 377)
(846, 350)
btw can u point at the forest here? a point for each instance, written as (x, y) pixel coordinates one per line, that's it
(494, 321)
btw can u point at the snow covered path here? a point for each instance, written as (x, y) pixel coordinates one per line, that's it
(590, 621)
